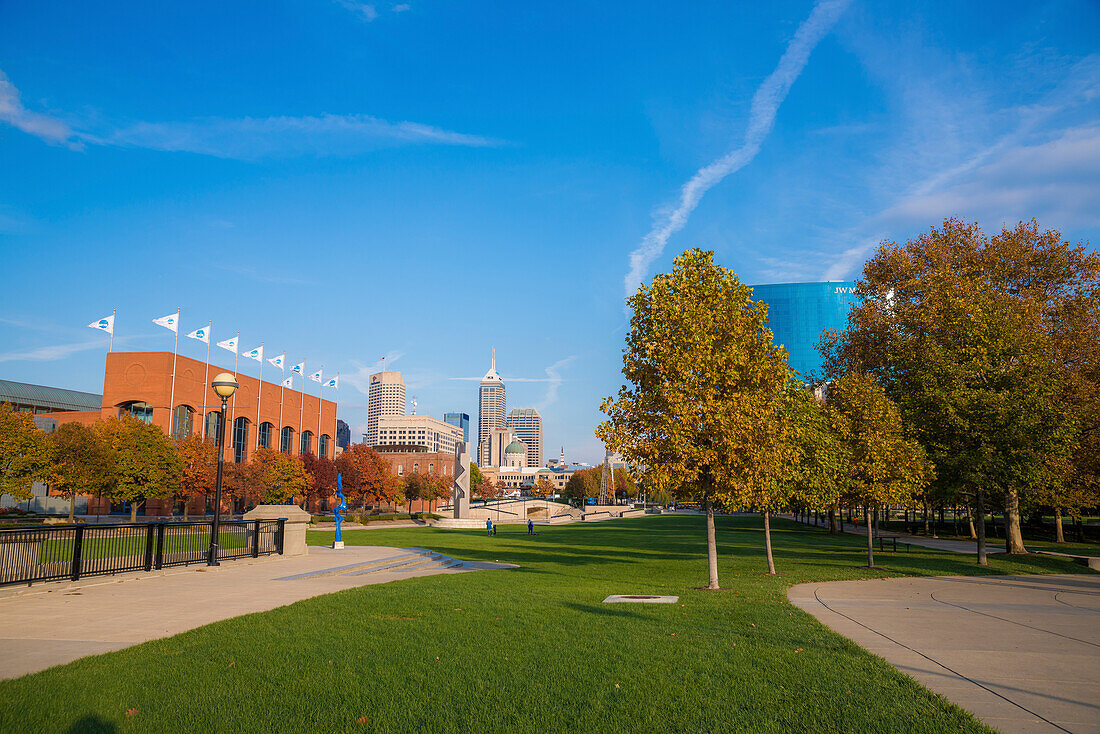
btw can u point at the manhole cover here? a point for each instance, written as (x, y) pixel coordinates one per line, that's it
(641, 599)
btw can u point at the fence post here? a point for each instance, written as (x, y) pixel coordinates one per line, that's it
(279, 535)
(159, 562)
(149, 547)
(256, 538)
(78, 549)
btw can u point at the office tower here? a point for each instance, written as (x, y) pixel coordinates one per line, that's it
(417, 433)
(385, 397)
(490, 410)
(527, 423)
(500, 439)
(462, 420)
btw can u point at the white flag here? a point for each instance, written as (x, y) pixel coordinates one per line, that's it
(170, 322)
(316, 376)
(332, 382)
(105, 324)
(256, 354)
(203, 334)
(279, 361)
(289, 382)
(230, 344)
(299, 369)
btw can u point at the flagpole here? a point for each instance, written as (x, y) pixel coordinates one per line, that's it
(334, 414)
(172, 399)
(301, 410)
(206, 375)
(259, 394)
(111, 343)
(320, 392)
(282, 388)
(236, 361)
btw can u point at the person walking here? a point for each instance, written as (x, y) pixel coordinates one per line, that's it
(489, 526)
(530, 526)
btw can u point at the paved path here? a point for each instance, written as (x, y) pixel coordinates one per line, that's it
(955, 546)
(1020, 652)
(50, 624)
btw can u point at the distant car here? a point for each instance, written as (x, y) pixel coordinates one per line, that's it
(589, 500)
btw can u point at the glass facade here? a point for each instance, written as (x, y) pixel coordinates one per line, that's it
(182, 420)
(286, 439)
(263, 438)
(240, 440)
(462, 420)
(136, 409)
(798, 314)
(307, 443)
(213, 426)
(322, 445)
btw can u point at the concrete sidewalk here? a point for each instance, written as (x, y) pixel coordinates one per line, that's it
(954, 546)
(1022, 653)
(55, 623)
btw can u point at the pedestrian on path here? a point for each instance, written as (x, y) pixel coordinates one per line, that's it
(489, 526)
(530, 526)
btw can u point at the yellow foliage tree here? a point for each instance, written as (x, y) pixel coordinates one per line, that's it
(25, 453)
(703, 412)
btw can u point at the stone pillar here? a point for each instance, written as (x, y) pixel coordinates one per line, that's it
(294, 531)
(461, 489)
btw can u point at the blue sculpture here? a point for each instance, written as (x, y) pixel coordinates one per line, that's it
(338, 509)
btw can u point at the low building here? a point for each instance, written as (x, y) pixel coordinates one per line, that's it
(413, 433)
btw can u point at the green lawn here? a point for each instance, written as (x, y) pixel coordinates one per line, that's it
(531, 649)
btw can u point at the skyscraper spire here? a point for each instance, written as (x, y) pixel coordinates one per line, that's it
(494, 359)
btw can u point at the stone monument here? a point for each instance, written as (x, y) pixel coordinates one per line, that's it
(462, 482)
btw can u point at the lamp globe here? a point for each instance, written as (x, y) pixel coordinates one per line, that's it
(225, 385)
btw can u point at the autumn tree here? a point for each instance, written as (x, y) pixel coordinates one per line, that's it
(883, 466)
(199, 464)
(276, 477)
(367, 477)
(818, 473)
(322, 472)
(82, 463)
(475, 475)
(543, 487)
(25, 453)
(146, 462)
(988, 346)
(703, 408)
(582, 484)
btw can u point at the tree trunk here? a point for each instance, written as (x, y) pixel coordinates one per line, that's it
(768, 543)
(712, 545)
(72, 509)
(832, 521)
(1014, 538)
(1059, 536)
(970, 521)
(925, 512)
(870, 539)
(133, 511)
(186, 502)
(982, 560)
(955, 520)
(1080, 525)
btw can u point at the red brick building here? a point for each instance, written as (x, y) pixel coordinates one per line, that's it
(260, 414)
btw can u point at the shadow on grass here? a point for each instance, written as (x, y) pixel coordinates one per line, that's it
(606, 610)
(91, 724)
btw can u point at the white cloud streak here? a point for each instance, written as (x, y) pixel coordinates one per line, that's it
(765, 103)
(364, 11)
(52, 353)
(48, 128)
(360, 379)
(247, 138)
(553, 372)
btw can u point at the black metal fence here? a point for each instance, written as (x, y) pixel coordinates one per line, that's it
(48, 553)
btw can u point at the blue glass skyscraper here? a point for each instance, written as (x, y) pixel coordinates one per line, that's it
(798, 314)
(462, 420)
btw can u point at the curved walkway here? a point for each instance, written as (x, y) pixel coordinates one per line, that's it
(1020, 652)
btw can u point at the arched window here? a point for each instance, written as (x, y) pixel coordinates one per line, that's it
(307, 443)
(240, 440)
(431, 468)
(264, 436)
(416, 468)
(136, 409)
(213, 425)
(322, 445)
(400, 470)
(183, 418)
(286, 439)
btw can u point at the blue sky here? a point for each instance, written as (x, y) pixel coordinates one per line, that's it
(427, 180)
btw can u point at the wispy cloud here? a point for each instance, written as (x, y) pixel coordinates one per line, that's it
(360, 378)
(401, 7)
(1034, 168)
(364, 11)
(553, 373)
(247, 138)
(765, 103)
(52, 352)
(50, 129)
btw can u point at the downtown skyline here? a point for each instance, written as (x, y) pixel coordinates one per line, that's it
(344, 181)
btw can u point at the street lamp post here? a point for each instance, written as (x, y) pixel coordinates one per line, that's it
(224, 385)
